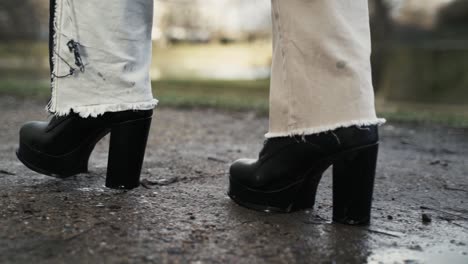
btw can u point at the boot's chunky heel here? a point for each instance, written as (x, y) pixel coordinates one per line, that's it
(288, 170)
(126, 153)
(353, 183)
(62, 146)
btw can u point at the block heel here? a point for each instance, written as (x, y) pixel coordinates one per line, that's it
(353, 183)
(62, 147)
(288, 170)
(126, 153)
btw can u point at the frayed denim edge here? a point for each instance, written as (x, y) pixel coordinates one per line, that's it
(322, 129)
(97, 110)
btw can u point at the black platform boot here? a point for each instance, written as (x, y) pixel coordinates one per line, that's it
(288, 171)
(62, 146)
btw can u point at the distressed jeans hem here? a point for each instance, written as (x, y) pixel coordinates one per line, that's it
(86, 111)
(325, 128)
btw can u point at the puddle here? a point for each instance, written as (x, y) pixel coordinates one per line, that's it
(91, 190)
(431, 255)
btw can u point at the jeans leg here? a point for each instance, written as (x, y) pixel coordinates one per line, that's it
(100, 56)
(321, 73)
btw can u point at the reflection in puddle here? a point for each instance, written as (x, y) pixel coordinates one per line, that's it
(437, 254)
(91, 190)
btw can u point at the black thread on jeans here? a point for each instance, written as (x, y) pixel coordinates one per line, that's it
(73, 47)
(72, 70)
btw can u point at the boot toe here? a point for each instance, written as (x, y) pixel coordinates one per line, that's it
(242, 170)
(30, 131)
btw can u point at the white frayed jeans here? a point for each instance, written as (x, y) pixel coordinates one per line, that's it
(321, 73)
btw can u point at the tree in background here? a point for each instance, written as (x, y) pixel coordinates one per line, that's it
(23, 20)
(454, 16)
(381, 28)
(204, 20)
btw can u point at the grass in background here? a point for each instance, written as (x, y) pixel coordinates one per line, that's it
(27, 88)
(230, 95)
(24, 49)
(234, 95)
(447, 119)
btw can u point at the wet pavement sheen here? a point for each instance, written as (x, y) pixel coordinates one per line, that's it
(182, 214)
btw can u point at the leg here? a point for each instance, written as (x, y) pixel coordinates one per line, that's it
(321, 113)
(321, 74)
(100, 53)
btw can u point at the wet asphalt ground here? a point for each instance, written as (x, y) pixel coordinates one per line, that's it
(181, 213)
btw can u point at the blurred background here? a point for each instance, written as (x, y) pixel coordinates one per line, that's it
(217, 53)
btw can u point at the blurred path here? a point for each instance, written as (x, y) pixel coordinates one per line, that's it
(182, 215)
